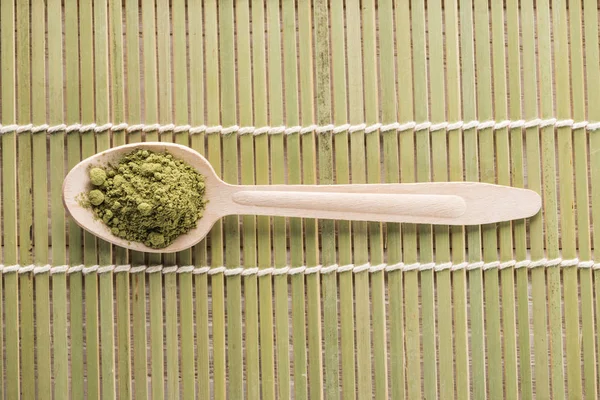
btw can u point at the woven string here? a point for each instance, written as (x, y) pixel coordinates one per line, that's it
(371, 268)
(246, 130)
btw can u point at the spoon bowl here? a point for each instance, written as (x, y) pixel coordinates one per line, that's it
(445, 203)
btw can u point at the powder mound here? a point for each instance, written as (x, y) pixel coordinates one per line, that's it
(148, 197)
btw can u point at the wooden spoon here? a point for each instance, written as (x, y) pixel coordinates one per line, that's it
(448, 203)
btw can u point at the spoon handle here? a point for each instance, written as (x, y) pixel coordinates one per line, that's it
(448, 203)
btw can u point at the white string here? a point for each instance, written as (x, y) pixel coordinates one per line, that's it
(304, 270)
(213, 129)
(308, 129)
(107, 268)
(135, 128)
(486, 125)
(8, 128)
(86, 128)
(26, 269)
(39, 128)
(233, 271)
(102, 128)
(181, 128)
(153, 269)
(411, 125)
(87, 270)
(246, 130)
(57, 128)
(293, 129)
(249, 271)
(166, 128)
(230, 130)
(372, 128)
(277, 130)
(123, 268)
(438, 127)
(61, 269)
(119, 127)
(197, 129)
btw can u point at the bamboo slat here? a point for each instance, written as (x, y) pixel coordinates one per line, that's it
(505, 242)
(587, 306)
(326, 176)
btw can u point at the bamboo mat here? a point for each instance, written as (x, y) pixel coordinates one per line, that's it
(275, 308)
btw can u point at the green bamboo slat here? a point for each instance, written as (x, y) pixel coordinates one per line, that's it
(278, 176)
(477, 342)
(196, 54)
(102, 112)
(519, 233)
(505, 232)
(138, 280)
(346, 290)
(40, 199)
(9, 202)
(342, 167)
(171, 332)
(260, 87)
(150, 73)
(39, 183)
(550, 196)
(538, 275)
(25, 208)
(186, 301)
(394, 240)
(197, 143)
(86, 59)
(358, 171)
(440, 174)
(202, 337)
(118, 138)
(156, 335)
(376, 240)
(201, 287)
(587, 306)
(457, 238)
(184, 258)
(412, 361)
(72, 115)
(567, 200)
(231, 223)
(294, 168)
(88, 148)
(493, 344)
(327, 227)
(423, 173)
(155, 279)
(216, 235)
(405, 233)
(60, 363)
(251, 342)
(411, 278)
(165, 116)
(309, 176)
(170, 295)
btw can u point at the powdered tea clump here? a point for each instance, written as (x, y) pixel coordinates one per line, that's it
(147, 197)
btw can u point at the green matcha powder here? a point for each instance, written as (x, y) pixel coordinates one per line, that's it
(148, 197)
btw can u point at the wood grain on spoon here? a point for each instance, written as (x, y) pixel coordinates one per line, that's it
(447, 203)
